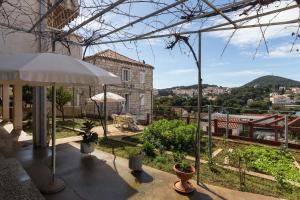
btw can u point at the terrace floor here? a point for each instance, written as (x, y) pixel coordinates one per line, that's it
(104, 176)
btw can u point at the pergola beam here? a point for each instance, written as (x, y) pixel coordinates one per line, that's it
(214, 28)
(141, 19)
(205, 30)
(226, 8)
(50, 10)
(102, 12)
(220, 12)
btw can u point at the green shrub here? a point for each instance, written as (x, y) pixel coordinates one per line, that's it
(171, 134)
(149, 149)
(133, 152)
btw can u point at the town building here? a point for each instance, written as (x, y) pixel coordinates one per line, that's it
(296, 90)
(280, 100)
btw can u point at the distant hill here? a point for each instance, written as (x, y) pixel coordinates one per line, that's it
(168, 91)
(272, 81)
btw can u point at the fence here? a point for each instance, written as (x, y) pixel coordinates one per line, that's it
(269, 127)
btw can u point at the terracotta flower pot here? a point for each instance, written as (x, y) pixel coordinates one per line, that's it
(184, 186)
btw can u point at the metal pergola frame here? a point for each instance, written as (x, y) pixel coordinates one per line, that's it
(215, 11)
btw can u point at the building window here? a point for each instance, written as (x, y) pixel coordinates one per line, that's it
(125, 74)
(127, 102)
(142, 99)
(142, 77)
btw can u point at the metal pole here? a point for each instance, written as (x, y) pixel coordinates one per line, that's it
(53, 131)
(94, 110)
(73, 107)
(209, 136)
(286, 131)
(199, 109)
(227, 124)
(105, 112)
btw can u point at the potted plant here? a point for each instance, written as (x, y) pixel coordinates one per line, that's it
(184, 172)
(135, 159)
(89, 138)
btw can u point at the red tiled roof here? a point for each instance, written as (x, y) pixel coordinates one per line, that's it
(110, 54)
(233, 122)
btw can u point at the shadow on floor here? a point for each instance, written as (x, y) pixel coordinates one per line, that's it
(86, 176)
(142, 177)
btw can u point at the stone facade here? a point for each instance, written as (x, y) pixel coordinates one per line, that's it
(136, 87)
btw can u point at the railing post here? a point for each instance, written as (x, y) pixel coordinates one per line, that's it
(227, 124)
(209, 136)
(250, 129)
(286, 131)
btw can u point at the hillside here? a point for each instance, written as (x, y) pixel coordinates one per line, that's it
(168, 91)
(272, 81)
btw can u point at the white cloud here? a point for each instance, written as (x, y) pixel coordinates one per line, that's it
(241, 73)
(251, 37)
(217, 64)
(181, 71)
(284, 51)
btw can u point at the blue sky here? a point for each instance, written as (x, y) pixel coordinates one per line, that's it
(235, 68)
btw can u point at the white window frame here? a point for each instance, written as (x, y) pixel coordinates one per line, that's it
(128, 74)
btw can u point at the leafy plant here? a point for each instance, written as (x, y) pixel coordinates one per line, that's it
(133, 152)
(179, 158)
(88, 135)
(149, 149)
(184, 166)
(278, 163)
(170, 134)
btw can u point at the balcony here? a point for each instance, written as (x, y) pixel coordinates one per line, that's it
(63, 14)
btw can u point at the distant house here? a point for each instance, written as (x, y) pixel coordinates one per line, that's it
(280, 100)
(296, 90)
(137, 82)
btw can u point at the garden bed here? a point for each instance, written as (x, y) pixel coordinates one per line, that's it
(215, 175)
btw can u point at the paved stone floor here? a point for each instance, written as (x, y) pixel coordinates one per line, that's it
(103, 176)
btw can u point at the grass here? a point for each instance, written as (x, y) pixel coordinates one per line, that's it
(215, 175)
(60, 132)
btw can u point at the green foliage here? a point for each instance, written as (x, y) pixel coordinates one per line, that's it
(271, 161)
(238, 98)
(178, 156)
(162, 105)
(27, 94)
(172, 134)
(149, 149)
(184, 166)
(133, 152)
(88, 135)
(63, 96)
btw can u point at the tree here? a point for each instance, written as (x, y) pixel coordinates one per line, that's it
(63, 96)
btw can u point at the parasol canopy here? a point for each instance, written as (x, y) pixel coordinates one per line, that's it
(111, 97)
(49, 68)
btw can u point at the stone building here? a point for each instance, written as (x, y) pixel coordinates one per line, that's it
(136, 87)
